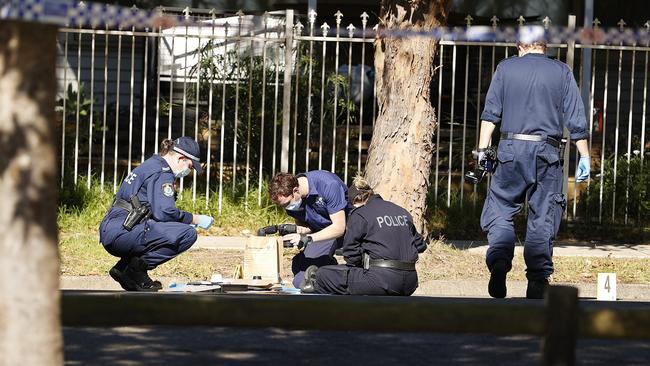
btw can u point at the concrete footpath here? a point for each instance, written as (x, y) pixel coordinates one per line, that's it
(569, 249)
(560, 249)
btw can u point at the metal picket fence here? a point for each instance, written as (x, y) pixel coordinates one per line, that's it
(267, 93)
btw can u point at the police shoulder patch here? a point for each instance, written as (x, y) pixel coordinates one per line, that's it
(168, 189)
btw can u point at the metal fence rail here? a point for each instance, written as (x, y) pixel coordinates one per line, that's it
(267, 93)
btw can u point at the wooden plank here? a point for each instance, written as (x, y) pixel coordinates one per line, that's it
(629, 322)
(365, 313)
(558, 347)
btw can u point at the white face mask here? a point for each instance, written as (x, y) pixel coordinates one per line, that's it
(183, 173)
(294, 205)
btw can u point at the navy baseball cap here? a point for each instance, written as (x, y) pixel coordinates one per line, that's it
(189, 148)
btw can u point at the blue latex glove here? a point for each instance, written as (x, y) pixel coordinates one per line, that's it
(205, 221)
(583, 170)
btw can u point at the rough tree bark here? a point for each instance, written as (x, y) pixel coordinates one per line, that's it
(401, 149)
(30, 331)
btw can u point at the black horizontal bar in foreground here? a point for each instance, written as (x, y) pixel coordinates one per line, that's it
(361, 313)
(623, 320)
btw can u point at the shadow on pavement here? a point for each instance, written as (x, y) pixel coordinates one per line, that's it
(236, 346)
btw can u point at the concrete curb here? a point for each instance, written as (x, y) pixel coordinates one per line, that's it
(435, 288)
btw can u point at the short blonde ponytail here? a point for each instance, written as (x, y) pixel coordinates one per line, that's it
(360, 190)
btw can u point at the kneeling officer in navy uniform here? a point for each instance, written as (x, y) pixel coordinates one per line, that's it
(144, 228)
(380, 248)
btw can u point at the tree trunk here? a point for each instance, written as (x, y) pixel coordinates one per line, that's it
(401, 149)
(30, 330)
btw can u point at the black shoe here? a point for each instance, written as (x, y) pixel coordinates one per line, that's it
(497, 285)
(137, 273)
(117, 273)
(536, 289)
(307, 285)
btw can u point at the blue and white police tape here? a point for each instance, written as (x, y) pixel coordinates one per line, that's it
(71, 13)
(74, 13)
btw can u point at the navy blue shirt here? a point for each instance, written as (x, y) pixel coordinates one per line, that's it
(382, 229)
(154, 183)
(327, 195)
(535, 95)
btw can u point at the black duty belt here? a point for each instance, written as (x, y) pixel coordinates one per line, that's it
(387, 263)
(123, 204)
(520, 136)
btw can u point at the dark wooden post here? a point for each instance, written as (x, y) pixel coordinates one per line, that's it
(30, 325)
(559, 344)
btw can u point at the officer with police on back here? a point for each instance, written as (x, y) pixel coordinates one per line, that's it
(380, 248)
(531, 97)
(143, 227)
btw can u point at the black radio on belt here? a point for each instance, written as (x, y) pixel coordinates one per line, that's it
(138, 214)
(484, 166)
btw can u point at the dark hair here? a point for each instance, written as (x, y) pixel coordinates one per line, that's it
(166, 146)
(360, 190)
(541, 44)
(282, 184)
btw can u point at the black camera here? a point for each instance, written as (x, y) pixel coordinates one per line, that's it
(483, 166)
(282, 229)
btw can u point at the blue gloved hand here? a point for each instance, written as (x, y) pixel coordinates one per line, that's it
(204, 221)
(583, 170)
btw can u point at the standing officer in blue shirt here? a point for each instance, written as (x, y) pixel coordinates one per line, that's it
(143, 227)
(532, 97)
(318, 201)
(380, 248)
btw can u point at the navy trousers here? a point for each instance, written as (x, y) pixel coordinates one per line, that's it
(155, 242)
(318, 253)
(345, 280)
(526, 171)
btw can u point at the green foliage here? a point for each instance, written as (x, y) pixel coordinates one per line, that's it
(82, 208)
(461, 219)
(238, 212)
(71, 104)
(238, 77)
(626, 194)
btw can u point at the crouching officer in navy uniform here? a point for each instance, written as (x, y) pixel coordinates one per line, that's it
(318, 202)
(143, 227)
(380, 248)
(532, 97)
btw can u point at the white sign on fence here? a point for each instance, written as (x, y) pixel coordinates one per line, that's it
(606, 287)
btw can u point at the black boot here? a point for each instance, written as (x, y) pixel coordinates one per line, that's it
(136, 271)
(118, 274)
(497, 285)
(307, 285)
(536, 289)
